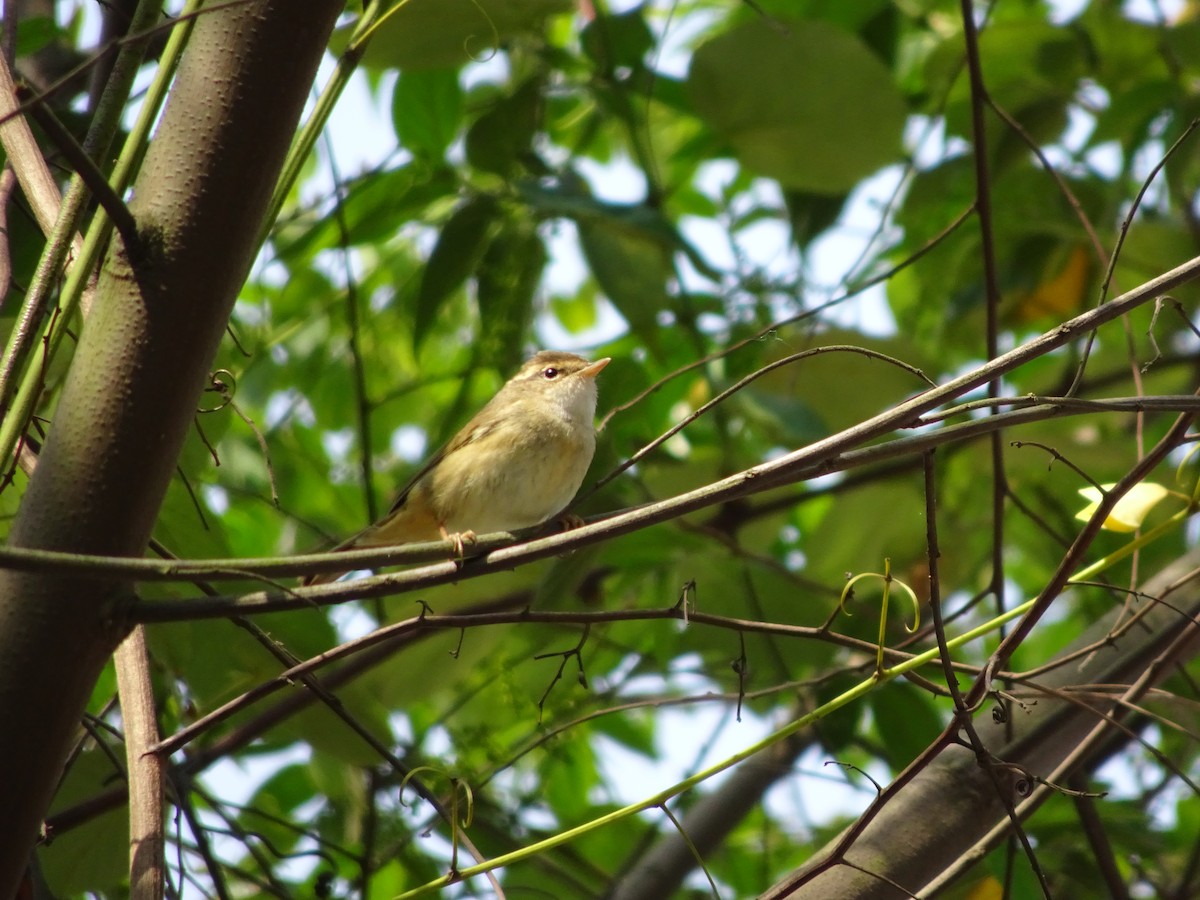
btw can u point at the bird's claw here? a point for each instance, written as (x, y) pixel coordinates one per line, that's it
(459, 540)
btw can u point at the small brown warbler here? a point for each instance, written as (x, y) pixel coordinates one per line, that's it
(516, 464)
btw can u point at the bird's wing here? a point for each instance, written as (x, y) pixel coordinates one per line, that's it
(482, 424)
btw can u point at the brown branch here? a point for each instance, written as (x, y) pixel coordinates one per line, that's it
(87, 170)
(733, 389)
(928, 247)
(33, 172)
(1071, 559)
(8, 182)
(506, 558)
(147, 840)
(1051, 739)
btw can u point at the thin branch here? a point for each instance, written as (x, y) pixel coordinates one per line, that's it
(818, 455)
(63, 241)
(1122, 233)
(742, 383)
(430, 622)
(362, 403)
(22, 150)
(758, 336)
(147, 839)
(505, 558)
(1063, 187)
(138, 37)
(1027, 410)
(88, 172)
(1070, 560)
(8, 182)
(203, 846)
(1177, 644)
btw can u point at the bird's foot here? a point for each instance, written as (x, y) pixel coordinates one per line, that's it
(459, 539)
(570, 521)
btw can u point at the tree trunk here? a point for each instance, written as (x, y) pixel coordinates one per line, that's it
(137, 376)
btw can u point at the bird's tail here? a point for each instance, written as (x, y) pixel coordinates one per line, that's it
(368, 537)
(400, 526)
(329, 577)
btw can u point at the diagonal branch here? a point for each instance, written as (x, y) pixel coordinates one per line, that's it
(908, 844)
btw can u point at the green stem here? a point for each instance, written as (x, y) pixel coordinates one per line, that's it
(303, 145)
(1144, 539)
(108, 116)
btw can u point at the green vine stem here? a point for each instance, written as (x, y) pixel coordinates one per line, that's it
(864, 687)
(13, 424)
(303, 145)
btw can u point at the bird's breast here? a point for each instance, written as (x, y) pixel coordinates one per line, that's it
(519, 474)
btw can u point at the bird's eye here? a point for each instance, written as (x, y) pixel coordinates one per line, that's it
(550, 373)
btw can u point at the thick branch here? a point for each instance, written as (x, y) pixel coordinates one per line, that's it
(951, 810)
(137, 377)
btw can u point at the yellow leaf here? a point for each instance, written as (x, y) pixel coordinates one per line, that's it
(1130, 510)
(986, 889)
(1059, 295)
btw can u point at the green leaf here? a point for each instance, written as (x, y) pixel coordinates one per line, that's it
(812, 214)
(841, 546)
(36, 33)
(437, 34)
(427, 109)
(578, 313)
(784, 420)
(502, 134)
(286, 789)
(803, 102)
(634, 731)
(373, 210)
(93, 856)
(1025, 64)
(326, 733)
(569, 198)
(508, 277)
(618, 40)
(458, 251)
(906, 721)
(1124, 55)
(568, 772)
(1130, 115)
(631, 270)
(838, 729)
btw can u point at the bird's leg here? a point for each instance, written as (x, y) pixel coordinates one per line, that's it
(570, 521)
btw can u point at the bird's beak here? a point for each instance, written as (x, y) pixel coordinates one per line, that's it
(594, 369)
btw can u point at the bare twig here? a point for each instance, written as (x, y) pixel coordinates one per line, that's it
(147, 840)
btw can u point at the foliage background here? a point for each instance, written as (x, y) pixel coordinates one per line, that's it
(387, 305)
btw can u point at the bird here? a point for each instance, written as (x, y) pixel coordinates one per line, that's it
(516, 464)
